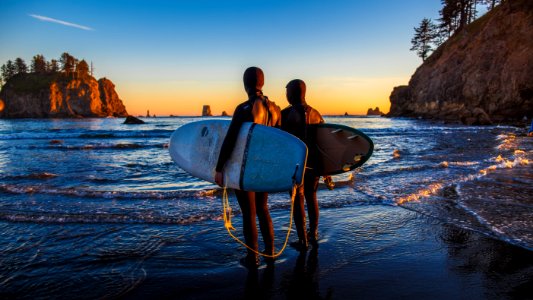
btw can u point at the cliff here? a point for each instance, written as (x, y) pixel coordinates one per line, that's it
(481, 75)
(57, 95)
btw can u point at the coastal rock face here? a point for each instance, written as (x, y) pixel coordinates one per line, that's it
(59, 96)
(481, 75)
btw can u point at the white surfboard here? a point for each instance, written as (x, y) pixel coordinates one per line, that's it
(265, 159)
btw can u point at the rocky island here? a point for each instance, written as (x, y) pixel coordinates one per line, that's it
(50, 92)
(483, 73)
(374, 112)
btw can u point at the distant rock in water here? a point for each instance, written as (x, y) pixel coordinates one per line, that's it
(206, 111)
(374, 112)
(56, 95)
(133, 120)
(481, 75)
(224, 114)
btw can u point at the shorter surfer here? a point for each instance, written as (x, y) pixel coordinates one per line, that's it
(294, 119)
(258, 109)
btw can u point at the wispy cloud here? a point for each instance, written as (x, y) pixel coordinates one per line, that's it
(47, 19)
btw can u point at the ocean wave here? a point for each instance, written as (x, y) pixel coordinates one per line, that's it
(62, 135)
(517, 159)
(41, 175)
(116, 195)
(99, 146)
(103, 217)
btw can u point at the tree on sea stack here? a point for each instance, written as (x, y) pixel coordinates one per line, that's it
(82, 68)
(8, 70)
(68, 63)
(38, 64)
(52, 66)
(20, 66)
(425, 36)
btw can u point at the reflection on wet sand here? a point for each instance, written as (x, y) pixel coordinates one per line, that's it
(506, 271)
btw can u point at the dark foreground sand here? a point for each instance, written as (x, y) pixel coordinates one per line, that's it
(366, 252)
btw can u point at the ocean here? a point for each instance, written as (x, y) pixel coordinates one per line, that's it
(93, 208)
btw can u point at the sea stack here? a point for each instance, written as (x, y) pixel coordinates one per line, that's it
(55, 95)
(206, 111)
(374, 112)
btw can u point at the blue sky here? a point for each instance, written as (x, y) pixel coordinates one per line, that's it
(188, 53)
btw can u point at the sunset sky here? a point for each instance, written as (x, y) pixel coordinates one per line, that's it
(172, 57)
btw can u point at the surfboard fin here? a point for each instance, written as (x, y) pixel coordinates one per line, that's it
(353, 137)
(336, 130)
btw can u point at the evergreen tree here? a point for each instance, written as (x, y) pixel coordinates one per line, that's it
(20, 66)
(38, 64)
(82, 68)
(425, 36)
(52, 66)
(8, 70)
(68, 63)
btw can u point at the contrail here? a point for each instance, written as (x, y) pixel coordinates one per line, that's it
(47, 19)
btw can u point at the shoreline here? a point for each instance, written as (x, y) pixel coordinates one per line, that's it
(366, 252)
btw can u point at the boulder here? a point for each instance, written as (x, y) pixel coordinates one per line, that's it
(133, 120)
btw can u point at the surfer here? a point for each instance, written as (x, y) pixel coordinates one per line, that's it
(294, 119)
(258, 109)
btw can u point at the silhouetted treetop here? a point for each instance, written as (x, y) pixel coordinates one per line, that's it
(66, 64)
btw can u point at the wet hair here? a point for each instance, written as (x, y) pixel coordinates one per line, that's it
(253, 79)
(296, 91)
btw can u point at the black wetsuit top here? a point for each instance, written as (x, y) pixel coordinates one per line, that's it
(257, 109)
(294, 120)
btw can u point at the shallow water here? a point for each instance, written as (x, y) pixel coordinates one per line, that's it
(96, 203)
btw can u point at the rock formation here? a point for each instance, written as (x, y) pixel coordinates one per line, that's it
(224, 114)
(374, 112)
(133, 120)
(481, 75)
(206, 111)
(57, 95)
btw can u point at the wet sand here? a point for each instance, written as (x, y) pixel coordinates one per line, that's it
(366, 252)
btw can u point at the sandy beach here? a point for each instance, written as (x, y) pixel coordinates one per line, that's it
(370, 252)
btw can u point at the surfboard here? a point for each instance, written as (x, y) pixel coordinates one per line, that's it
(337, 148)
(264, 159)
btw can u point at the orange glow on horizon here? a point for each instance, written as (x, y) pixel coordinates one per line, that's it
(330, 96)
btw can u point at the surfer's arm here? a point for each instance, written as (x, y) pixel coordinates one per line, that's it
(230, 139)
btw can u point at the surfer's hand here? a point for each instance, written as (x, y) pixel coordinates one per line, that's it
(219, 179)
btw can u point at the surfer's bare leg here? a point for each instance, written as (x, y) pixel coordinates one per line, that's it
(265, 221)
(310, 188)
(299, 218)
(247, 203)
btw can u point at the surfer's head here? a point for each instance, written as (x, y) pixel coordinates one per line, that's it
(253, 80)
(296, 91)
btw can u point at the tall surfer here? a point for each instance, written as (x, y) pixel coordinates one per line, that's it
(257, 109)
